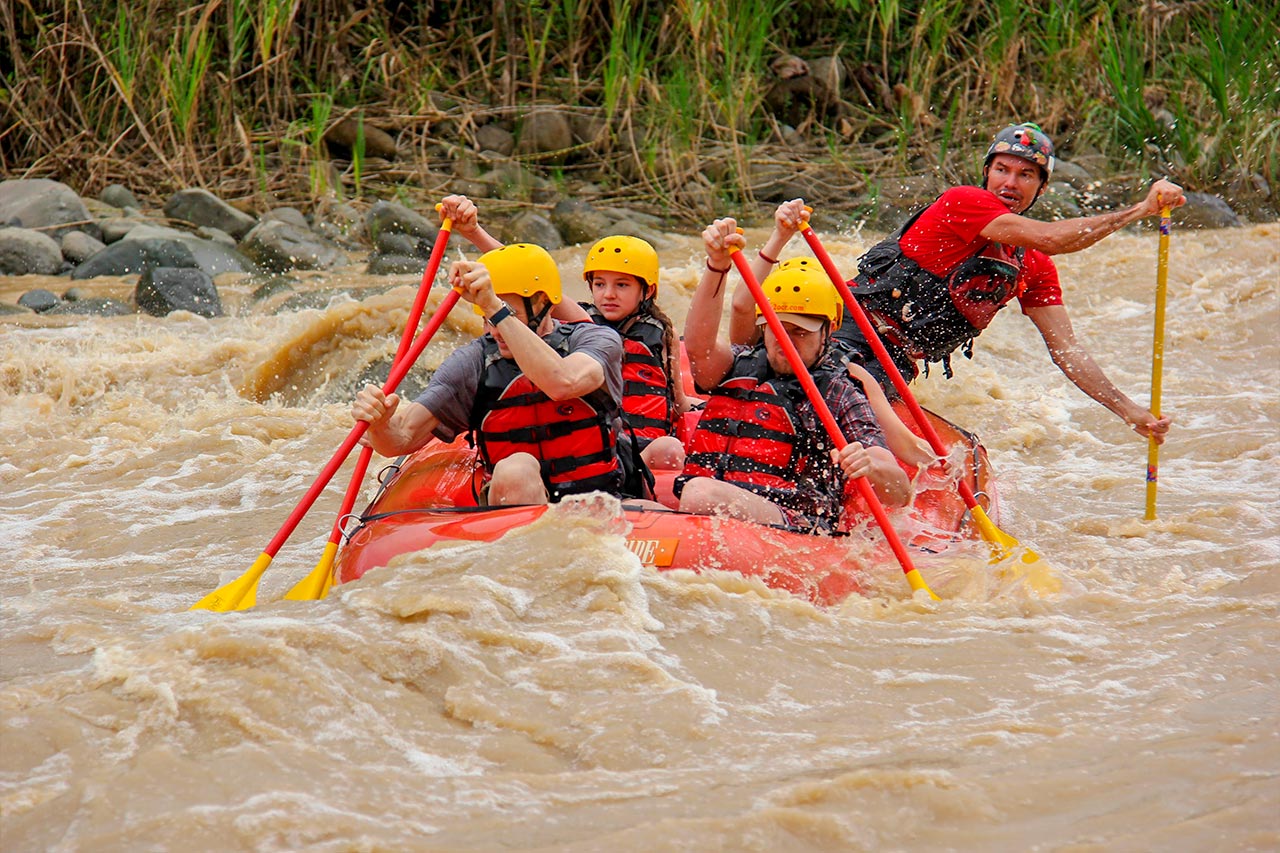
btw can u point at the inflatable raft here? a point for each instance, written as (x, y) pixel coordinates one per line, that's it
(430, 496)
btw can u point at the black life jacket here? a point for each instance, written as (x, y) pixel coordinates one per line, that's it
(928, 316)
(749, 435)
(574, 440)
(648, 397)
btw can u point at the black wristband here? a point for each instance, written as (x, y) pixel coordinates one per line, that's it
(501, 314)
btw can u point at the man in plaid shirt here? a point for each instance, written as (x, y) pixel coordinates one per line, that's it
(759, 452)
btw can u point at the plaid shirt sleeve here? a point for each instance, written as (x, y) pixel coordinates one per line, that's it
(852, 412)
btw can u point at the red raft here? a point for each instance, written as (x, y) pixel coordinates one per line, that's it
(431, 498)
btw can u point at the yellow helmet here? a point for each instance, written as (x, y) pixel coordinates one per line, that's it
(801, 286)
(623, 254)
(522, 269)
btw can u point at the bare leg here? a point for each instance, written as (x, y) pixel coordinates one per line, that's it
(712, 497)
(517, 480)
(664, 452)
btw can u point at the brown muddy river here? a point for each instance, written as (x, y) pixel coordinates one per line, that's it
(549, 693)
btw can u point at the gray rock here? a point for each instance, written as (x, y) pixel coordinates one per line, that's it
(909, 192)
(78, 247)
(216, 235)
(27, 252)
(1058, 201)
(511, 180)
(136, 256)
(1074, 174)
(545, 132)
(1250, 193)
(492, 137)
(201, 207)
(279, 246)
(382, 264)
(119, 196)
(116, 228)
(532, 227)
(151, 231)
(580, 221)
(390, 216)
(632, 228)
(39, 300)
(75, 294)
(52, 207)
(167, 289)
(588, 129)
(7, 310)
(1205, 211)
(288, 214)
(395, 243)
(95, 307)
(273, 286)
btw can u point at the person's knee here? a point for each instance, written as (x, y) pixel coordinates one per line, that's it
(517, 480)
(665, 452)
(698, 495)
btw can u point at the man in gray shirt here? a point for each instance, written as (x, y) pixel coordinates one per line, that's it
(542, 398)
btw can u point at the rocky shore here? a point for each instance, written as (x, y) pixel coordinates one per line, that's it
(47, 229)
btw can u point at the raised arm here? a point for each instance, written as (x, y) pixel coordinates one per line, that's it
(742, 317)
(559, 377)
(1081, 369)
(466, 222)
(710, 357)
(1072, 235)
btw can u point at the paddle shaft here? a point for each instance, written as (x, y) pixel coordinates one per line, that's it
(406, 339)
(1157, 359)
(828, 420)
(398, 371)
(882, 353)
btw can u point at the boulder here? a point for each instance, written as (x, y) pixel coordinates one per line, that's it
(387, 264)
(280, 246)
(78, 247)
(52, 207)
(390, 216)
(1205, 211)
(136, 256)
(1058, 201)
(201, 207)
(545, 132)
(95, 307)
(75, 294)
(345, 137)
(116, 227)
(580, 221)
(39, 300)
(119, 196)
(27, 252)
(532, 227)
(7, 310)
(492, 137)
(166, 289)
(395, 243)
(288, 214)
(1250, 193)
(1074, 174)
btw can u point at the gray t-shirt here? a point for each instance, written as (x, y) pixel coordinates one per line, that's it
(451, 393)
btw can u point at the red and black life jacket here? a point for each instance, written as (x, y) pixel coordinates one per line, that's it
(648, 398)
(749, 435)
(929, 316)
(574, 440)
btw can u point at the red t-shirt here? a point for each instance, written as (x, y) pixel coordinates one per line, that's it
(948, 232)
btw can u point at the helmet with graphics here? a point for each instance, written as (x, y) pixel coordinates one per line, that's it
(1024, 140)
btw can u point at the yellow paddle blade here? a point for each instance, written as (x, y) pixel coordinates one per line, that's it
(917, 582)
(240, 594)
(315, 586)
(1036, 573)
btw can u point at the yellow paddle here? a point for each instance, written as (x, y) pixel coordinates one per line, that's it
(316, 585)
(1157, 359)
(1001, 543)
(828, 420)
(241, 593)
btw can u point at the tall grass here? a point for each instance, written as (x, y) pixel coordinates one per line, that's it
(237, 94)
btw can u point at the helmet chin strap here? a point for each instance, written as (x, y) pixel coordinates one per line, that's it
(535, 320)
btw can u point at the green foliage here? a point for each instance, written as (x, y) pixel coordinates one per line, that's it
(242, 90)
